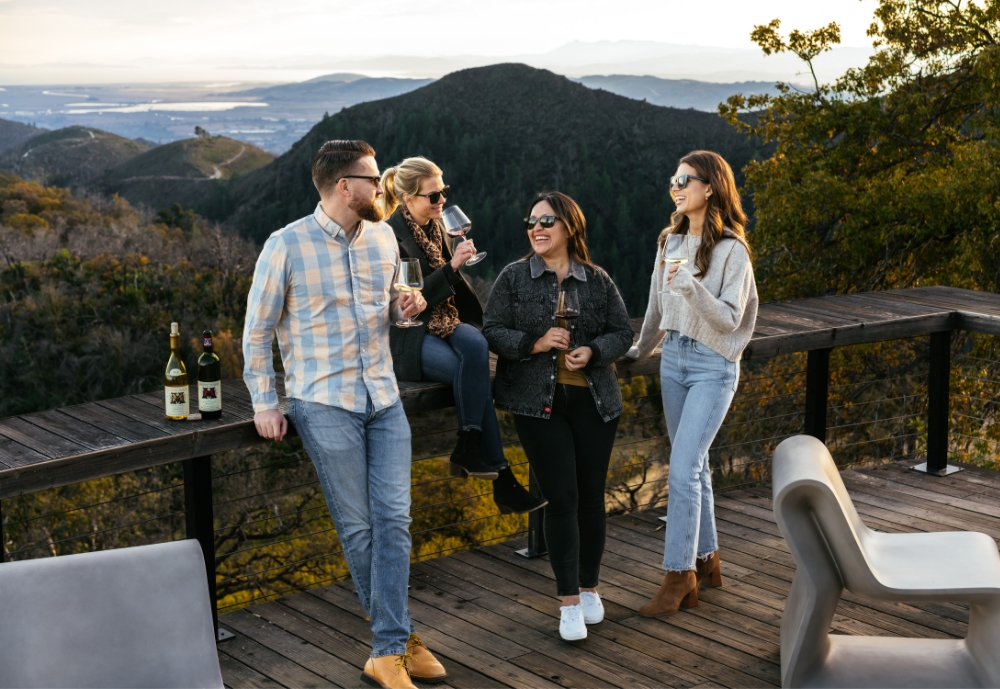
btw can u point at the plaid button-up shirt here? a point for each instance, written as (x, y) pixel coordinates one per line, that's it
(329, 299)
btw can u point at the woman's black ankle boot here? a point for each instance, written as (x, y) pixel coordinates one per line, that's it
(510, 496)
(468, 458)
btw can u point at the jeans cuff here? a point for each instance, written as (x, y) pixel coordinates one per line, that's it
(389, 653)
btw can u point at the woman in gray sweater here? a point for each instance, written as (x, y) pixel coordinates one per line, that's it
(703, 301)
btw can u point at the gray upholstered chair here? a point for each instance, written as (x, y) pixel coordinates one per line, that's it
(132, 617)
(834, 550)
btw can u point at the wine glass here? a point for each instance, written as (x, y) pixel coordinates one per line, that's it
(567, 309)
(676, 255)
(457, 224)
(409, 279)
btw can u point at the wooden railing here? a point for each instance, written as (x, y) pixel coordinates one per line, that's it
(74, 444)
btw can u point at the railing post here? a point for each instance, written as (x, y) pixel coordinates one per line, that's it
(938, 407)
(200, 523)
(536, 525)
(817, 391)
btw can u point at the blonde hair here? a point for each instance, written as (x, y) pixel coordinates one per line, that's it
(404, 178)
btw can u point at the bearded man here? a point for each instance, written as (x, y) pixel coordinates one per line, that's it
(325, 285)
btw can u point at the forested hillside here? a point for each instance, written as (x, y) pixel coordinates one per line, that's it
(69, 157)
(501, 134)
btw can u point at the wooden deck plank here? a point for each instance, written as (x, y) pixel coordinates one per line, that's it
(38, 439)
(119, 424)
(309, 656)
(240, 676)
(272, 665)
(75, 431)
(492, 616)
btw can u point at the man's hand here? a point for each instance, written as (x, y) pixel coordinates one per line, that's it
(271, 424)
(555, 338)
(578, 358)
(412, 303)
(463, 252)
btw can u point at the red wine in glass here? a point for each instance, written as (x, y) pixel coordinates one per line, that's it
(568, 308)
(457, 224)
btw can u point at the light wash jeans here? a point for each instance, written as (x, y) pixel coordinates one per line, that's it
(363, 464)
(463, 362)
(697, 386)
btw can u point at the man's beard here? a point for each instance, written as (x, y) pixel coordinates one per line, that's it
(366, 209)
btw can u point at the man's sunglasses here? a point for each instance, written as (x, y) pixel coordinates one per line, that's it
(682, 180)
(546, 221)
(375, 179)
(436, 196)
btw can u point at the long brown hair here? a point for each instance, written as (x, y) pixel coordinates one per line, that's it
(725, 210)
(569, 211)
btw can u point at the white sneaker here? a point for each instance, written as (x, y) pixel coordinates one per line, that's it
(571, 625)
(593, 609)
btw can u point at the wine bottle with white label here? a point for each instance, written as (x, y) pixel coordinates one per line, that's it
(175, 379)
(209, 380)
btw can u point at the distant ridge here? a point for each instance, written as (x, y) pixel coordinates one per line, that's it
(676, 93)
(69, 157)
(13, 133)
(179, 171)
(502, 133)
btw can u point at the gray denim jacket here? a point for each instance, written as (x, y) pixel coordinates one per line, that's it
(520, 310)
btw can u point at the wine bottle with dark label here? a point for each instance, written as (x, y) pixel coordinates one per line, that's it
(209, 380)
(175, 380)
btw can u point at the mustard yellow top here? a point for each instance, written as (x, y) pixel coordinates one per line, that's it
(567, 377)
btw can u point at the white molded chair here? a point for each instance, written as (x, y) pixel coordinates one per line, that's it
(834, 550)
(132, 617)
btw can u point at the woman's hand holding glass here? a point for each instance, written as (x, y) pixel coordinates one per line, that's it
(554, 338)
(464, 251)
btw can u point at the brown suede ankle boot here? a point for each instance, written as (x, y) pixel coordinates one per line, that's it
(710, 567)
(679, 589)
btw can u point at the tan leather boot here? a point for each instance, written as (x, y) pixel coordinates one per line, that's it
(679, 589)
(388, 672)
(424, 667)
(711, 568)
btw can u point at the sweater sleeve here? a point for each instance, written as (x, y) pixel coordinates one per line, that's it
(725, 313)
(498, 323)
(651, 335)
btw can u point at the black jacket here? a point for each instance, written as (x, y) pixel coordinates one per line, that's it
(405, 343)
(520, 310)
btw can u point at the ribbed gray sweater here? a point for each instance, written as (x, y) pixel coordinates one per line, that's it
(718, 310)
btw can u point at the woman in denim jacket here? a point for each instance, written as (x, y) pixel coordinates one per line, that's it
(706, 307)
(561, 385)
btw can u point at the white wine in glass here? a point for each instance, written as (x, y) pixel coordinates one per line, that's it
(676, 255)
(457, 224)
(409, 279)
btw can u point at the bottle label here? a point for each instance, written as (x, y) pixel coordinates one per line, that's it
(210, 395)
(175, 372)
(176, 400)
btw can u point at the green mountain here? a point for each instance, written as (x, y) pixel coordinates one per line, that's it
(69, 157)
(188, 170)
(13, 133)
(502, 133)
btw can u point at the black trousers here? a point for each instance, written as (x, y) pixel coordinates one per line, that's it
(569, 455)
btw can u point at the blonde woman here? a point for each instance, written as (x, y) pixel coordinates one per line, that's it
(705, 305)
(449, 348)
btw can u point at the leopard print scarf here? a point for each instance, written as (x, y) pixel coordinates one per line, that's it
(444, 315)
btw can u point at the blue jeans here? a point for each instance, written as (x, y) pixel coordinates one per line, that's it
(463, 362)
(697, 386)
(363, 464)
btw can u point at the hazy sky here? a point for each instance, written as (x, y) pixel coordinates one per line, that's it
(140, 33)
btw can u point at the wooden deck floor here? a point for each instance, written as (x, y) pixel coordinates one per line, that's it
(492, 618)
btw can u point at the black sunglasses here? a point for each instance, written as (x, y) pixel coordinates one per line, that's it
(375, 179)
(436, 196)
(682, 180)
(547, 221)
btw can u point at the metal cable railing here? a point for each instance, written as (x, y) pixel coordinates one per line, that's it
(274, 536)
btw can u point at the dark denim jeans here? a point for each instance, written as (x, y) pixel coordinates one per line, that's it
(363, 465)
(463, 362)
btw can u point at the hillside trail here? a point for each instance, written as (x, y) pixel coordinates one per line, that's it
(91, 136)
(218, 173)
